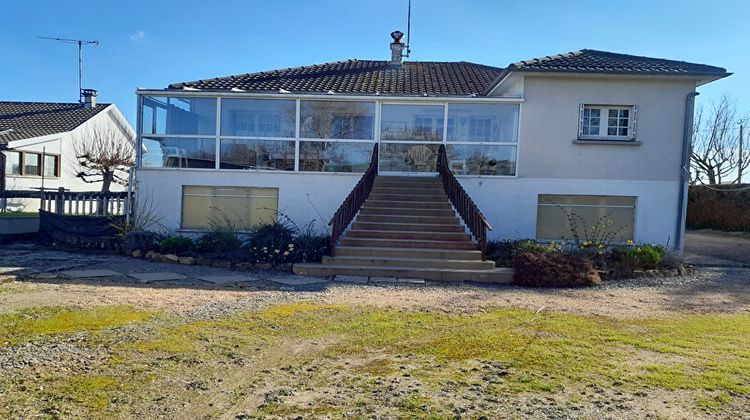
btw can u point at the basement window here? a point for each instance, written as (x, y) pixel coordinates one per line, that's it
(607, 122)
(586, 217)
(242, 207)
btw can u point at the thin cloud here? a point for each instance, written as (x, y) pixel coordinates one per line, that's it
(138, 35)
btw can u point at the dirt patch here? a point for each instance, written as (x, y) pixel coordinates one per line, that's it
(732, 246)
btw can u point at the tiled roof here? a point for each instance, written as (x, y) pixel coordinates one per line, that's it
(362, 77)
(425, 78)
(593, 61)
(24, 120)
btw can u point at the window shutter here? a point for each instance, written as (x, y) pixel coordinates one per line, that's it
(580, 120)
(634, 124)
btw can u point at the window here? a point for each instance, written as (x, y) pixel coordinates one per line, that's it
(412, 122)
(337, 120)
(475, 159)
(600, 122)
(185, 116)
(12, 163)
(31, 164)
(258, 117)
(318, 156)
(272, 155)
(51, 166)
(179, 152)
(496, 123)
(559, 217)
(245, 207)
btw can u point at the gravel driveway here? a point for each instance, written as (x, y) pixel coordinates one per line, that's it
(711, 245)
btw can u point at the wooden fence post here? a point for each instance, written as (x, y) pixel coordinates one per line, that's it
(60, 201)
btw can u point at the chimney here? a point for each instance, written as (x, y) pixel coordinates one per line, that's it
(89, 98)
(397, 48)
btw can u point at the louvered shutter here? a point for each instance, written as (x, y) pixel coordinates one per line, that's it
(634, 123)
(580, 120)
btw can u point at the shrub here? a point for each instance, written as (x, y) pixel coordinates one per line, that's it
(272, 243)
(529, 245)
(144, 240)
(638, 257)
(501, 252)
(554, 270)
(175, 245)
(218, 241)
(309, 247)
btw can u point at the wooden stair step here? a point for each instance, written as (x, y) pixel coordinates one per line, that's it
(406, 211)
(431, 253)
(387, 234)
(407, 243)
(400, 226)
(369, 218)
(438, 205)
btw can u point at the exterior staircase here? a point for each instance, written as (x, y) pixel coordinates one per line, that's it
(407, 228)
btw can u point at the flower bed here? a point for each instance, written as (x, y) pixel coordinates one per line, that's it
(539, 264)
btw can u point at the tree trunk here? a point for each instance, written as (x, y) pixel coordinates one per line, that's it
(107, 179)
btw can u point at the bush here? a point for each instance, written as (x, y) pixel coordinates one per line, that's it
(309, 247)
(272, 243)
(501, 252)
(554, 270)
(143, 240)
(176, 245)
(529, 245)
(218, 241)
(721, 210)
(638, 257)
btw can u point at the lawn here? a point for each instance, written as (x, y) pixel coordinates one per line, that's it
(17, 214)
(312, 359)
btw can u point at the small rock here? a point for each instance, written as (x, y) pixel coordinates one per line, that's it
(155, 256)
(264, 266)
(222, 264)
(351, 279)
(187, 260)
(287, 267)
(170, 258)
(244, 266)
(4, 278)
(137, 253)
(204, 261)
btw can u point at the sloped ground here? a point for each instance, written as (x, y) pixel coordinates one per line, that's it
(670, 348)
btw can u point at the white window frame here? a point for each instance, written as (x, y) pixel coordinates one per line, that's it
(604, 122)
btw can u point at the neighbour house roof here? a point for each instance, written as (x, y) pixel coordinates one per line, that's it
(417, 78)
(24, 120)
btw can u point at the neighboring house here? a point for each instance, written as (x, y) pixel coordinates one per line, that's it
(37, 140)
(594, 134)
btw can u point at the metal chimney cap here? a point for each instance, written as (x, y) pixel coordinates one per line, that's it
(397, 35)
(89, 92)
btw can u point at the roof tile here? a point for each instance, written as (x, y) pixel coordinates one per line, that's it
(23, 120)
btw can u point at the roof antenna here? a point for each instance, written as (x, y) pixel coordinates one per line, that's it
(80, 43)
(408, 31)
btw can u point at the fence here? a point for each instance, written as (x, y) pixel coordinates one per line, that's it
(86, 203)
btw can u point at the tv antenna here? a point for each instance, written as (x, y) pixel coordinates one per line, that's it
(408, 31)
(80, 43)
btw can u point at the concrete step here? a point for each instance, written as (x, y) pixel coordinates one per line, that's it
(408, 204)
(406, 234)
(397, 178)
(409, 262)
(407, 196)
(406, 190)
(413, 185)
(406, 211)
(420, 227)
(375, 252)
(497, 275)
(407, 243)
(368, 218)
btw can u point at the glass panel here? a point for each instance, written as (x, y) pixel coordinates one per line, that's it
(50, 165)
(167, 115)
(318, 156)
(483, 122)
(399, 157)
(31, 164)
(179, 153)
(273, 155)
(12, 163)
(468, 159)
(337, 120)
(412, 122)
(258, 117)
(245, 207)
(616, 214)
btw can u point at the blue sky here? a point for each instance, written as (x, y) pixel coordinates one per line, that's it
(154, 43)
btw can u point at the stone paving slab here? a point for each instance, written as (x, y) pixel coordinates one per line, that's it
(156, 276)
(84, 274)
(351, 279)
(228, 279)
(396, 280)
(298, 280)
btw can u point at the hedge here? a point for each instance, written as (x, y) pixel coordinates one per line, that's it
(721, 210)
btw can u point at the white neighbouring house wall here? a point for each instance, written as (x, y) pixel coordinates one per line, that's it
(62, 144)
(549, 162)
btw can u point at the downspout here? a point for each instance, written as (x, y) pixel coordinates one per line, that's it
(687, 150)
(2, 169)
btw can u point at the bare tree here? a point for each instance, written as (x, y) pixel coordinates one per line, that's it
(716, 153)
(105, 155)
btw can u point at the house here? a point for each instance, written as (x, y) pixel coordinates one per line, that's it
(37, 142)
(548, 148)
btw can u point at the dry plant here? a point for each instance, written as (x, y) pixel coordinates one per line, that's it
(103, 155)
